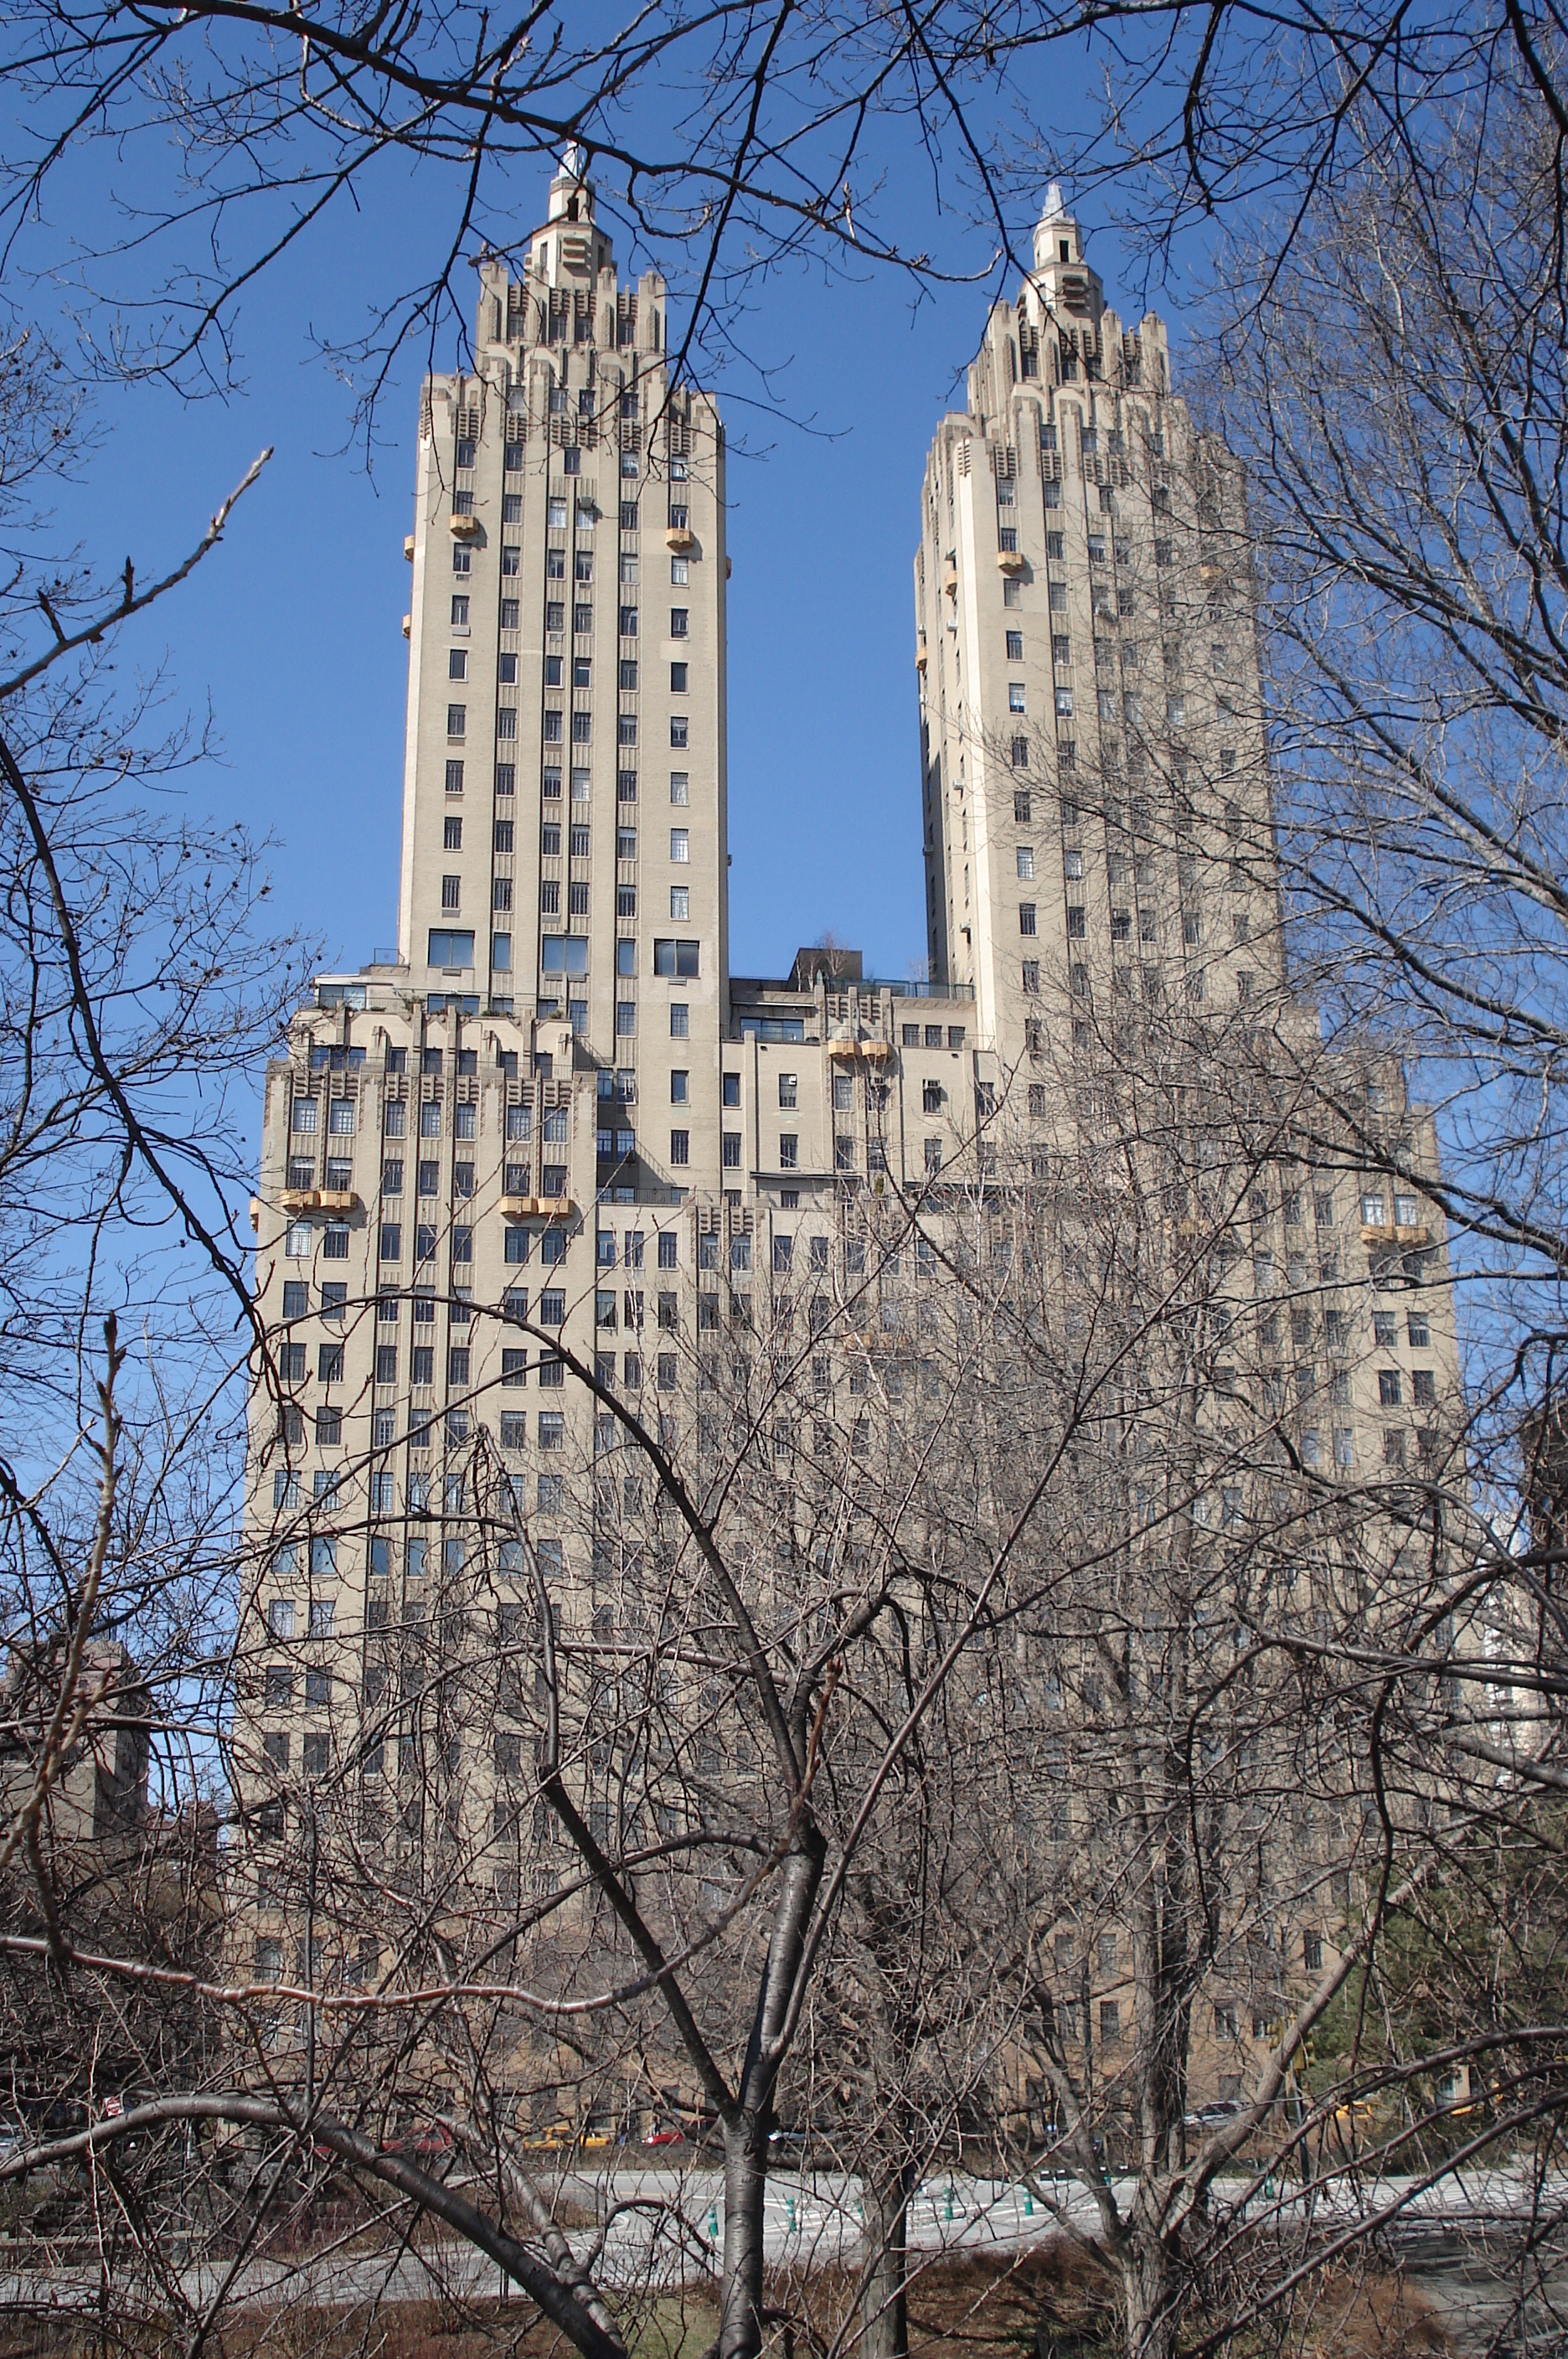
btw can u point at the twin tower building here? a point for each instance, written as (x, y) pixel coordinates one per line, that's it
(554, 1102)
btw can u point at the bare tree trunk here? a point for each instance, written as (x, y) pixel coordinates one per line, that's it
(1147, 2296)
(746, 2184)
(884, 2296)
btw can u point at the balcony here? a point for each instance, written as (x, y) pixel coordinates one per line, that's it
(463, 528)
(1010, 560)
(538, 1207)
(873, 1051)
(1392, 1233)
(681, 540)
(320, 1199)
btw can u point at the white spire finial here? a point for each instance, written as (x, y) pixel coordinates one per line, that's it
(1054, 207)
(571, 160)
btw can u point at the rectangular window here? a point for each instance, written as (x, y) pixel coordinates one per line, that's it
(680, 622)
(678, 729)
(679, 844)
(1025, 860)
(457, 720)
(681, 1146)
(455, 777)
(676, 958)
(1025, 916)
(679, 787)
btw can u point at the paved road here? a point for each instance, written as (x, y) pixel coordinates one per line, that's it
(812, 2219)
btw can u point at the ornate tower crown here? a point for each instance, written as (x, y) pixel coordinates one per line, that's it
(1065, 281)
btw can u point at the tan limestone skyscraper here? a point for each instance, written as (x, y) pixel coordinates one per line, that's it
(1091, 723)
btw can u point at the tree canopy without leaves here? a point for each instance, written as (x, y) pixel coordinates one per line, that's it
(730, 139)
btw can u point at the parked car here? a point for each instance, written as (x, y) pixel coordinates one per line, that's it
(428, 2142)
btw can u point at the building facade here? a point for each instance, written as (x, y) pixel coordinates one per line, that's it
(552, 1125)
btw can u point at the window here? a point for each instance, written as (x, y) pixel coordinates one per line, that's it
(451, 892)
(457, 663)
(1312, 1953)
(1025, 860)
(732, 1089)
(450, 949)
(789, 1150)
(1016, 701)
(1031, 977)
(732, 1150)
(679, 844)
(680, 1020)
(1025, 916)
(1015, 647)
(1388, 1388)
(1372, 1212)
(457, 720)
(677, 958)
(1064, 702)
(678, 729)
(681, 1146)
(678, 1088)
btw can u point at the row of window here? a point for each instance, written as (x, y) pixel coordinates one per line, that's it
(550, 791)
(554, 723)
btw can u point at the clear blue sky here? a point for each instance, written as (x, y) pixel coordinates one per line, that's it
(292, 629)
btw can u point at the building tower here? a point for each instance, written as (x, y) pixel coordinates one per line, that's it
(1091, 723)
(564, 800)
